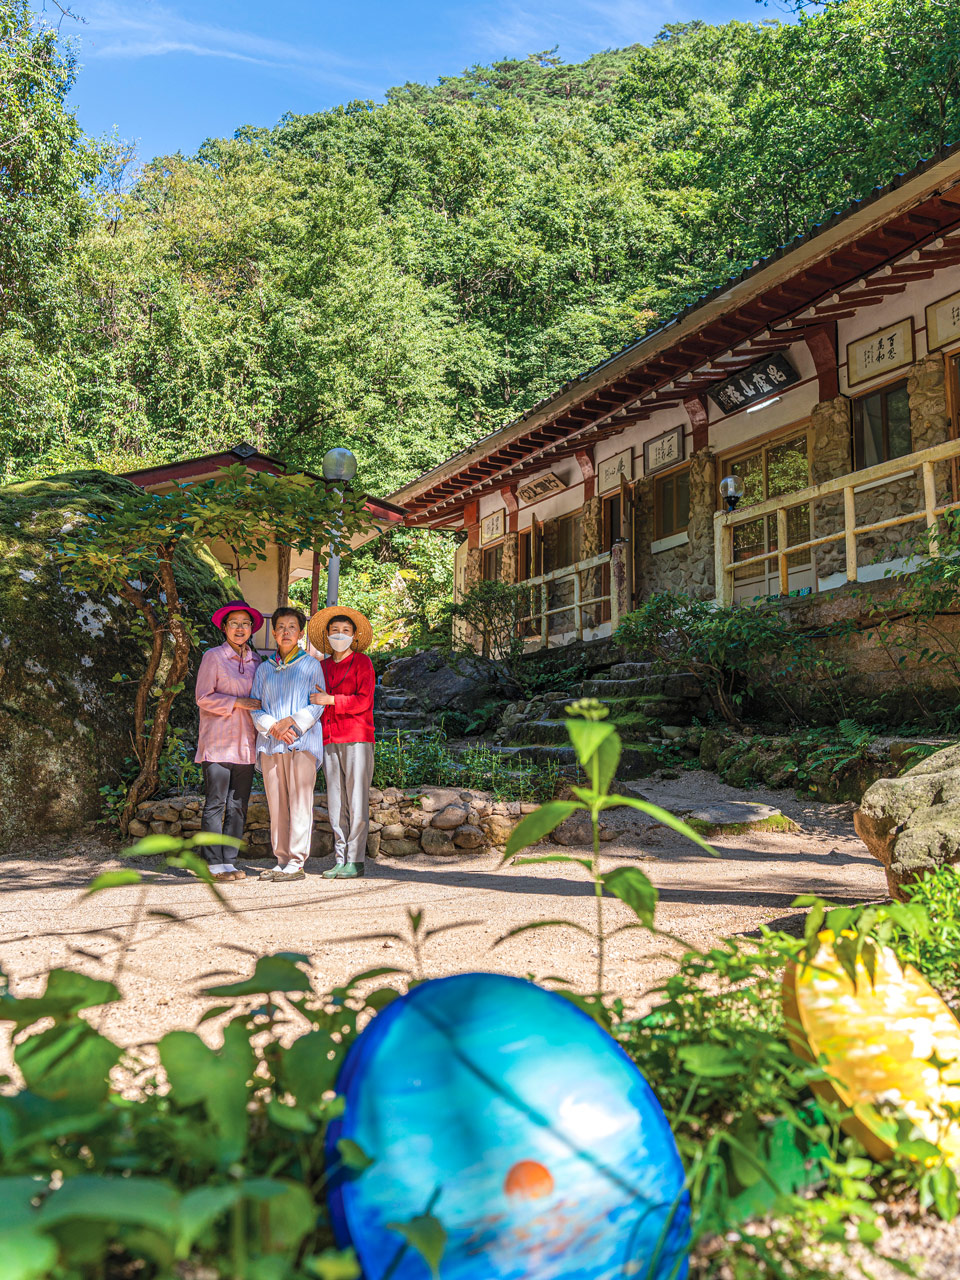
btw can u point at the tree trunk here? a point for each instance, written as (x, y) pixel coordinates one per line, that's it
(146, 782)
(142, 700)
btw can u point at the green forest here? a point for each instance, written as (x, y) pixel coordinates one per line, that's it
(405, 277)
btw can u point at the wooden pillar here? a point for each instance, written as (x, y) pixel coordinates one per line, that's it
(588, 471)
(283, 575)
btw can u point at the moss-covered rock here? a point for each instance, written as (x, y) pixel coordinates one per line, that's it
(64, 723)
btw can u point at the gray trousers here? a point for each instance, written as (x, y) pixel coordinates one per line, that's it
(226, 796)
(348, 769)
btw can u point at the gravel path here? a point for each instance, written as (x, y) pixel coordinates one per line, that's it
(46, 921)
(160, 962)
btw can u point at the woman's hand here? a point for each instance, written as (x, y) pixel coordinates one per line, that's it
(285, 730)
(247, 704)
(320, 698)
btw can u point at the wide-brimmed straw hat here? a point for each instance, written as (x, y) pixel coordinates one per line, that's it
(237, 606)
(317, 627)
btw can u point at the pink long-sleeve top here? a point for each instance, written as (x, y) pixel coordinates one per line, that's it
(227, 733)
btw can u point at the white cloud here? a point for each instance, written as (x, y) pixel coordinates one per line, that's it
(579, 27)
(134, 31)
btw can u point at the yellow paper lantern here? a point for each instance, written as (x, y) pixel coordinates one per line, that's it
(890, 1046)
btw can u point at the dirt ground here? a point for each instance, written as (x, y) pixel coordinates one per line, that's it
(161, 961)
(46, 921)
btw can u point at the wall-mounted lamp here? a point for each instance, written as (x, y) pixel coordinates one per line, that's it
(339, 464)
(731, 491)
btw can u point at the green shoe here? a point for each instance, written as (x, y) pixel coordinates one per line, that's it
(344, 871)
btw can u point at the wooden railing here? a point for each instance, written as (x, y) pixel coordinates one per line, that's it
(579, 602)
(923, 462)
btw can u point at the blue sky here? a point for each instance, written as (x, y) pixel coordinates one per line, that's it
(173, 72)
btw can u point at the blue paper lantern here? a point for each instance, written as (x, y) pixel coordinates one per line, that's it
(514, 1119)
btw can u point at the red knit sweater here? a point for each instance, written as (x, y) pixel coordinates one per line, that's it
(351, 682)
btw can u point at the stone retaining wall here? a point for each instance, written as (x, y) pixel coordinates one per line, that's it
(443, 821)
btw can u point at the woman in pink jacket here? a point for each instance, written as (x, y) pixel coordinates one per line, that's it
(227, 745)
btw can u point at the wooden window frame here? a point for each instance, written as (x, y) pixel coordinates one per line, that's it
(525, 554)
(609, 529)
(760, 443)
(659, 531)
(496, 551)
(857, 422)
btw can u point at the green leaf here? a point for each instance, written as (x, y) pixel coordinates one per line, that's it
(198, 1210)
(334, 1264)
(26, 1254)
(149, 846)
(426, 1234)
(66, 993)
(587, 736)
(113, 880)
(69, 1060)
(945, 1197)
(554, 857)
(710, 1060)
(291, 1118)
(280, 972)
(147, 1202)
(16, 1195)
(306, 1071)
(353, 1155)
(631, 886)
(219, 1079)
(539, 823)
(606, 760)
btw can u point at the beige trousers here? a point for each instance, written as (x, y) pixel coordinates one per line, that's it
(289, 780)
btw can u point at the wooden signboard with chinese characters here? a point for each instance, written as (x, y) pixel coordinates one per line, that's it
(542, 487)
(611, 470)
(879, 353)
(943, 322)
(492, 527)
(768, 377)
(663, 451)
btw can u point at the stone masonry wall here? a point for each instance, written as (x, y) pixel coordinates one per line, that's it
(686, 568)
(441, 821)
(831, 456)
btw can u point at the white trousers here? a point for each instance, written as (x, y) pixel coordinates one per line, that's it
(348, 769)
(289, 780)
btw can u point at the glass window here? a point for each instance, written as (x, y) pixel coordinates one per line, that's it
(881, 426)
(611, 521)
(524, 554)
(771, 471)
(672, 499)
(493, 563)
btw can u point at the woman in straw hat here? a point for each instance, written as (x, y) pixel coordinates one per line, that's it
(227, 743)
(347, 731)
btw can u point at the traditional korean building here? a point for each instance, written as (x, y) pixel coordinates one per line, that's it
(265, 583)
(827, 379)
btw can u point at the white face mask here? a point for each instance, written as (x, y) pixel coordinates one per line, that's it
(339, 643)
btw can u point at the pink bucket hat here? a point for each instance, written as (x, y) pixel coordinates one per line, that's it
(237, 606)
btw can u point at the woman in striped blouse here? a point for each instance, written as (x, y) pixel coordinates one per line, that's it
(289, 742)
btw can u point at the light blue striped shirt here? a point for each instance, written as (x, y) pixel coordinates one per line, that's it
(285, 690)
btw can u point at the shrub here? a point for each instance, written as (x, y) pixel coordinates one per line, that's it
(734, 652)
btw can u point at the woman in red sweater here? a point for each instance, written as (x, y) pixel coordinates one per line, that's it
(347, 731)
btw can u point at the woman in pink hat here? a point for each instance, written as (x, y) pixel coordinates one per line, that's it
(227, 745)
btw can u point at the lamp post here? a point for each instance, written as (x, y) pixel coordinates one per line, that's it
(340, 466)
(731, 491)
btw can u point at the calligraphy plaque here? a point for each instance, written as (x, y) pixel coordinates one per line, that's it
(662, 451)
(881, 352)
(768, 377)
(534, 490)
(492, 527)
(943, 322)
(611, 470)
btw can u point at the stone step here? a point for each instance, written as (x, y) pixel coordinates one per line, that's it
(399, 702)
(399, 719)
(638, 759)
(668, 686)
(631, 670)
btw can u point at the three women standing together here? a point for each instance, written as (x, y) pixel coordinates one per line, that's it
(293, 712)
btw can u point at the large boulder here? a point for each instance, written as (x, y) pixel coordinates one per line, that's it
(64, 720)
(911, 824)
(439, 683)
